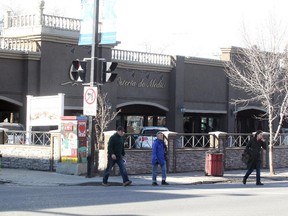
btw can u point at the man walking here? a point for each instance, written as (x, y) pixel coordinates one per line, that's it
(116, 153)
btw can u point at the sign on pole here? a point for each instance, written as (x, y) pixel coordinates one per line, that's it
(90, 101)
(107, 18)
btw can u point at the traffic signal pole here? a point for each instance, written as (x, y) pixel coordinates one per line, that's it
(94, 69)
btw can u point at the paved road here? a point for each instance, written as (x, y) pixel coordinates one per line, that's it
(27, 192)
(220, 199)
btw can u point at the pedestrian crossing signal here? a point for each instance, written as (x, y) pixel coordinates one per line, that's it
(107, 71)
(77, 71)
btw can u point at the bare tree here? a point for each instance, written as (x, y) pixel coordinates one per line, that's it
(103, 118)
(261, 71)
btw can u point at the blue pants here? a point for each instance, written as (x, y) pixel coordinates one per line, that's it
(249, 171)
(122, 168)
(155, 171)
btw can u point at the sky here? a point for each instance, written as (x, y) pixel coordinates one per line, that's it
(198, 28)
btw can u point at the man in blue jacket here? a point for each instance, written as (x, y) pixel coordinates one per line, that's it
(158, 158)
(116, 153)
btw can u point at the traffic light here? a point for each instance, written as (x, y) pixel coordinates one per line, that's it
(107, 71)
(78, 71)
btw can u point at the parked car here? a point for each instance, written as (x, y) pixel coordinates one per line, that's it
(147, 136)
(13, 133)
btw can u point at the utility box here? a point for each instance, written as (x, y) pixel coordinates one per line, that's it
(74, 140)
(214, 164)
(73, 145)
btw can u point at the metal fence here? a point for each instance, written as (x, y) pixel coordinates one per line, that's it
(26, 137)
(135, 141)
(201, 140)
(192, 140)
(237, 140)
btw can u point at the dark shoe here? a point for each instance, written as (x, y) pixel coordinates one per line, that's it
(164, 182)
(127, 183)
(244, 180)
(105, 184)
(154, 184)
(259, 183)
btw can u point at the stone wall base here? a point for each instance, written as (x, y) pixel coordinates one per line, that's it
(72, 168)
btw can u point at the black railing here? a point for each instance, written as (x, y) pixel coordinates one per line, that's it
(26, 137)
(201, 140)
(138, 141)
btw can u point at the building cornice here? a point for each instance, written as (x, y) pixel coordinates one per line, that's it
(23, 55)
(204, 61)
(142, 66)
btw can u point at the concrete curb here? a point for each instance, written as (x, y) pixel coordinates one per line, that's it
(42, 178)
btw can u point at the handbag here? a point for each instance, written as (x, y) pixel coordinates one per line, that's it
(245, 156)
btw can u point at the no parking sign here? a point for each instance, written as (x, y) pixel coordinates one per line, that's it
(90, 101)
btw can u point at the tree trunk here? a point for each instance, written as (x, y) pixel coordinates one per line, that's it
(271, 159)
(271, 168)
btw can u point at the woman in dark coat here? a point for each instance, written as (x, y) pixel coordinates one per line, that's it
(254, 150)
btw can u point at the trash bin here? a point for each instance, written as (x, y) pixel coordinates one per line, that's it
(214, 164)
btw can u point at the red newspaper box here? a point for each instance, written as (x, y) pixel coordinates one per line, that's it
(214, 164)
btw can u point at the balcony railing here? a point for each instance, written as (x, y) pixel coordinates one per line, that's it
(44, 20)
(60, 22)
(142, 57)
(17, 44)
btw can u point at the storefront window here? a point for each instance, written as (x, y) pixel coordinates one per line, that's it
(162, 121)
(199, 124)
(134, 124)
(207, 124)
(157, 121)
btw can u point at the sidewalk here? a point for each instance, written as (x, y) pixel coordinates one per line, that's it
(43, 178)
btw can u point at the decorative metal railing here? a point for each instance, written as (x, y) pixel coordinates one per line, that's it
(132, 141)
(200, 140)
(192, 140)
(26, 137)
(237, 140)
(137, 141)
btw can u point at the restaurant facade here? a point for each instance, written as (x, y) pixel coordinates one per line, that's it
(185, 94)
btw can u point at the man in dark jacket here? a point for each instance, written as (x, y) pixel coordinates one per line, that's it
(254, 150)
(158, 158)
(116, 153)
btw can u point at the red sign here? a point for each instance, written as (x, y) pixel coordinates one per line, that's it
(82, 129)
(68, 127)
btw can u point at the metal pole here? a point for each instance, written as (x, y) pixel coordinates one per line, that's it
(94, 69)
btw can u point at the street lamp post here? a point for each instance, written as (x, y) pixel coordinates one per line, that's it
(94, 70)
